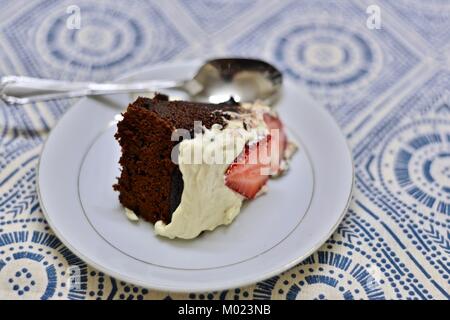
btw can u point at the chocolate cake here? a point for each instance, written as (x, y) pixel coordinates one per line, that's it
(150, 184)
(160, 184)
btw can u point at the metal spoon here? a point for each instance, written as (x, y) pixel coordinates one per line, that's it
(246, 80)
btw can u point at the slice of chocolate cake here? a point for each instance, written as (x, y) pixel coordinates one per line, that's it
(160, 183)
(150, 183)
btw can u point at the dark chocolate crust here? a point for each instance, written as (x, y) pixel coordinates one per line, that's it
(150, 184)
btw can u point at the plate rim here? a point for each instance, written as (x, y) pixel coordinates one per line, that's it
(220, 287)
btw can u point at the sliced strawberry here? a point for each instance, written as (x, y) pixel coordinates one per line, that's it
(251, 169)
(247, 175)
(274, 123)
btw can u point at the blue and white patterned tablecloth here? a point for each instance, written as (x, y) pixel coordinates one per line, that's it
(388, 88)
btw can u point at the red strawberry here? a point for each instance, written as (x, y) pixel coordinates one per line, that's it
(274, 123)
(245, 175)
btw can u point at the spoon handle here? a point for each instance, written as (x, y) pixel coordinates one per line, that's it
(23, 90)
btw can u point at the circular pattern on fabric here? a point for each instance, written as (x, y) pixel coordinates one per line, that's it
(328, 56)
(37, 266)
(106, 38)
(415, 165)
(335, 275)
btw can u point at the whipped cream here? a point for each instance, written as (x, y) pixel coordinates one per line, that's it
(206, 201)
(131, 215)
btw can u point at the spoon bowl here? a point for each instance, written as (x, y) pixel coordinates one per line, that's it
(245, 80)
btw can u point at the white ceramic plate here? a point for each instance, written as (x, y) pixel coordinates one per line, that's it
(273, 233)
